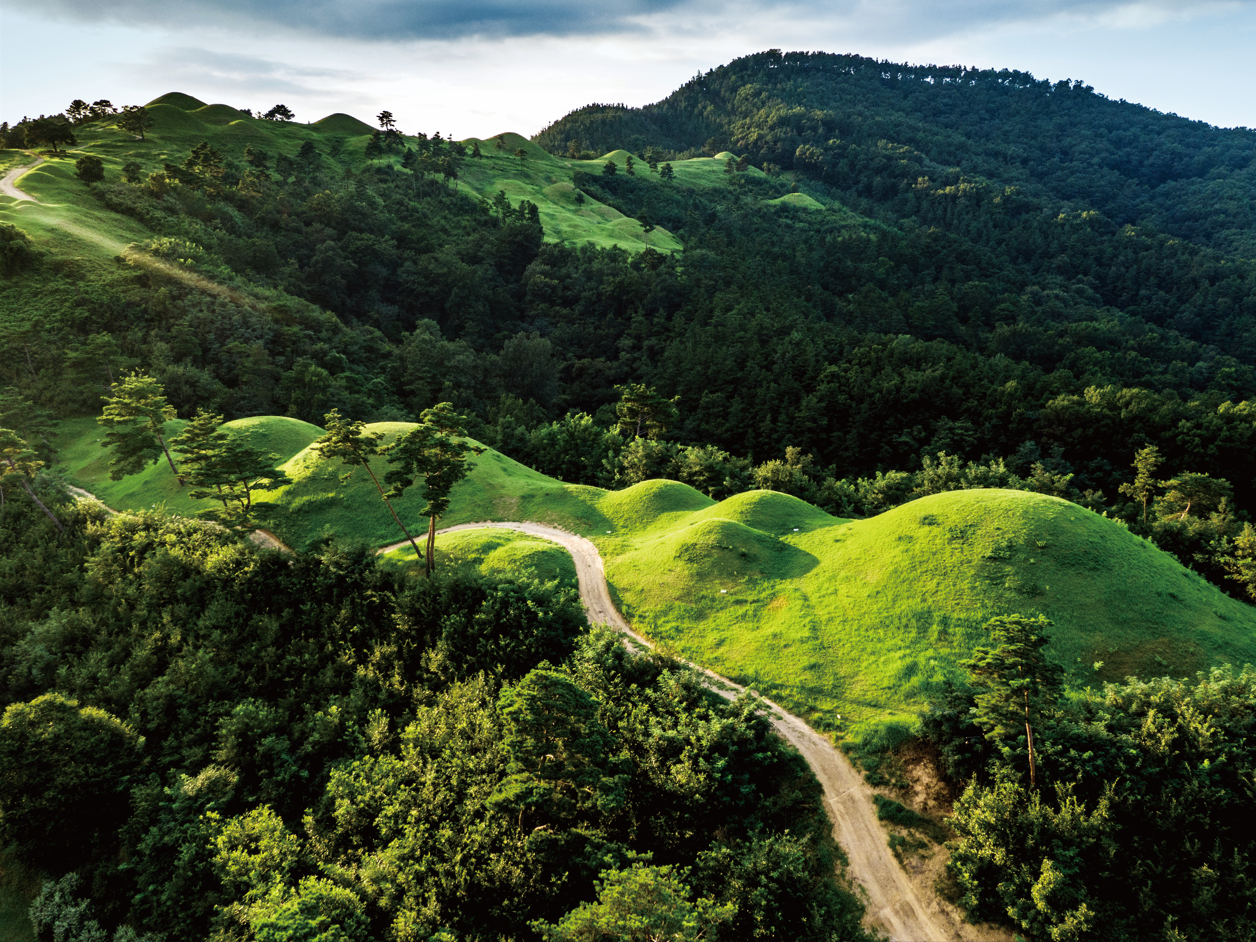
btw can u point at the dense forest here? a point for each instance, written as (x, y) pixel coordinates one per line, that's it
(1014, 284)
(205, 740)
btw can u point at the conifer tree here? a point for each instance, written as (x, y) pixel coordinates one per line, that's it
(643, 412)
(135, 416)
(18, 461)
(221, 467)
(436, 451)
(135, 119)
(1020, 684)
(353, 445)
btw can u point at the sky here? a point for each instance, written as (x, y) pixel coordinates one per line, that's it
(481, 67)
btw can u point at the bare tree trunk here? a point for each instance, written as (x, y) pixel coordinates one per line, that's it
(177, 475)
(431, 545)
(387, 504)
(1029, 735)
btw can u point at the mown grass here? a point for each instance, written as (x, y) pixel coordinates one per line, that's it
(83, 458)
(851, 623)
(494, 552)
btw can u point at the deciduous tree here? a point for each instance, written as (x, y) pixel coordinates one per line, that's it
(1143, 487)
(90, 169)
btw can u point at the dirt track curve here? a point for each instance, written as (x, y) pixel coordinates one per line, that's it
(896, 906)
(8, 183)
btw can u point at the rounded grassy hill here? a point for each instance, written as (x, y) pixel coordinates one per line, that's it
(851, 623)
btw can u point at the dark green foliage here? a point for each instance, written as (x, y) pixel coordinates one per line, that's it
(135, 414)
(64, 789)
(1136, 825)
(1017, 685)
(16, 250)
(223, 469)
(135, 120)
(89, 169)
(272, 690)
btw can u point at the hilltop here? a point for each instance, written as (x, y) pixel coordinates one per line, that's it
(847, 120)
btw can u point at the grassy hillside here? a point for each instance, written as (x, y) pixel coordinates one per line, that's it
(86, 462)
(852, 618)
(495, 552)
(69, 221)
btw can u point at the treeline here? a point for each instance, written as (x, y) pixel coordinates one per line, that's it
(1116, 814)
(207, 740)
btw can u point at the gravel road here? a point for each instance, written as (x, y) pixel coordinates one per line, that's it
(896, 906)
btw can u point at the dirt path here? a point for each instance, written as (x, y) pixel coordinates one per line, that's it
(896, 906)
(8, 184)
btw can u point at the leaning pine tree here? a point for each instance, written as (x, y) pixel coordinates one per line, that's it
(353, 445)
(18, 461)
(435, 450)
(136, 415)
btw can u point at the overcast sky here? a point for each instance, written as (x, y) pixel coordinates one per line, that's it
(480, 67)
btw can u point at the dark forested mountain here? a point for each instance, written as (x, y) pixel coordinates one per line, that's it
(876, 127)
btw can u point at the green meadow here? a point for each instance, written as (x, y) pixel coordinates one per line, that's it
(68, 222)
(850, 623)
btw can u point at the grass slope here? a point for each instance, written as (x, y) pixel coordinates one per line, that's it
(857, 618)
(495, 552)
(87, 463)
(70, 222)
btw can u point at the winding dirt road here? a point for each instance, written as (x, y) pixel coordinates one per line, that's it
(896, 906)
(8, 183)
(904, 909)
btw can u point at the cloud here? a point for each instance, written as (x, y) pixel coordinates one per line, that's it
(443, 20)
(189, 67)
(374, 19)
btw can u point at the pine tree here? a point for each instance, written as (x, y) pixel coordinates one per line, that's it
(136, 415)
(18, 461)
(643, 413)
(221, 467)
(437, 451)
(1020, 684)
(354, 446)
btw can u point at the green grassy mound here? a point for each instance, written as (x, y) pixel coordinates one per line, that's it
(862, 619)
(87, 463)
(219, 114)
(797, 201)
(495, 552)
(177, 100)
(344, 125)
(651, 504)
(835, 618)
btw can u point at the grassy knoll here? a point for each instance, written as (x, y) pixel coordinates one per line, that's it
(857, 618)
(496, 552)
(87, 463)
